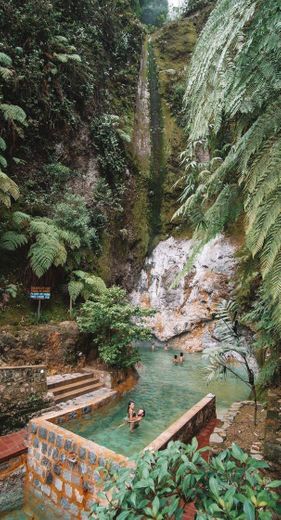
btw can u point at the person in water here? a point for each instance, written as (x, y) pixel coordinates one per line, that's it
(181, 359)
(136, 420)
(175, 360)
(131, 410)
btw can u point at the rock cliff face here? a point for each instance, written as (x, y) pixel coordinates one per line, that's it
(184, 314)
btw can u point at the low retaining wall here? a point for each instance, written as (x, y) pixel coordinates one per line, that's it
(22, 381)
(63, 466)
(114, 378)
(188, 425)
(23, 391)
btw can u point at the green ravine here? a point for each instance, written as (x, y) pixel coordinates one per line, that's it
(121, 130)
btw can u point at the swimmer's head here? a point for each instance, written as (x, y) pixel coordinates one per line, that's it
(141, 413)
(175, 356)
(181, 354)
(131, 405)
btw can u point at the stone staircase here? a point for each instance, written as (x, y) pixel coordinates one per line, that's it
(69, 386)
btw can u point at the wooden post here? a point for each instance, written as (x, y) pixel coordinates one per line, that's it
(39, 310)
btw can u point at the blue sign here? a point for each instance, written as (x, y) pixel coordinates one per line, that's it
(40, 293)
(40, 296)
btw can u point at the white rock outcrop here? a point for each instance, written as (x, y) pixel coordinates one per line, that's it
(184, 314)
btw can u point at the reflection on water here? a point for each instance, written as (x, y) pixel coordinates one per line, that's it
(35, 509)
(165, 391)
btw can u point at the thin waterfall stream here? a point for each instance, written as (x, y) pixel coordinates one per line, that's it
(157, 163)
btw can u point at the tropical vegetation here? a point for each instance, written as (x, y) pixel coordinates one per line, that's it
(230, 485)
(232, 159)
(115, 326)
(64, 69)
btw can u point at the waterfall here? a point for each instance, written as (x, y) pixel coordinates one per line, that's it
(141, 135)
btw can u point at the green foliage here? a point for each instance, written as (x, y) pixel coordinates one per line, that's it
(43, 191)
(154, 12)
(109, 147)
(50, 244)
(8, 189)
(10, 114)
(192, 6)
(72, 214)
(56, 79)
(233, 102)
(13, 113)
(112, 321)
(231, 485)
(84, 285)
(65, 63)
(267, 338)
(233, 354)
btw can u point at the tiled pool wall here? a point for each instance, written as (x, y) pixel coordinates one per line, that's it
(62, 466)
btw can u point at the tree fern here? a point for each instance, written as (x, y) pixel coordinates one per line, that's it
(11, 240)
(50, 245)
(234, 82)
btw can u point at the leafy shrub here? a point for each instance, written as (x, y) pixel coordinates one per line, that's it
(111, 320)
(229, 486)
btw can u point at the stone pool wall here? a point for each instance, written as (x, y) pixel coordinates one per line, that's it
(62, 466)
(188, 425)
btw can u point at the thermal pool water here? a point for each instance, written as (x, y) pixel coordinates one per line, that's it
(165, 391)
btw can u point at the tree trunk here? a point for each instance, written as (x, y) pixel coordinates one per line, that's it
(256, 404)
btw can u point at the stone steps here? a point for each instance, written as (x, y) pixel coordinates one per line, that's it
(70, 386)
(89, 381)
(57, 381)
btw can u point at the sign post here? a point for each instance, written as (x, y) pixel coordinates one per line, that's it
(40, 293)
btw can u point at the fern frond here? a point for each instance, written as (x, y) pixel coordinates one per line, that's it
(13, 113)
(19, 218)
(75, 289)
(5, 59)
(3, 145)
(8, 189)
(11, 240)
(42, 254)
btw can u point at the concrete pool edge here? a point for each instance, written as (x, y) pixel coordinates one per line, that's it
(188, 425)
(62, 466)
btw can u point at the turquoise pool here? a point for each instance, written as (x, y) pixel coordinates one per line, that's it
(165, 391)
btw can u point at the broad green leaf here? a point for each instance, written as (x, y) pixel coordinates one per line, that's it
(155, 505)
(249, 510)
(214, 486)
(274, 484)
